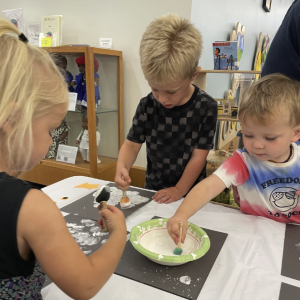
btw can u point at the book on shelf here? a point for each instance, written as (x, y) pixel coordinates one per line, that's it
(51, 27)
(225, 55)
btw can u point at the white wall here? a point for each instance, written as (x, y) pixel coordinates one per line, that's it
(123, 21)
(217, 18)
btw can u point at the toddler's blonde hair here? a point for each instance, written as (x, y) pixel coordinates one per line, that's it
(270, 95)
(31, 86)
(170, 49)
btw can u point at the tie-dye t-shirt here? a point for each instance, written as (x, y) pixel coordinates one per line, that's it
(265, 189)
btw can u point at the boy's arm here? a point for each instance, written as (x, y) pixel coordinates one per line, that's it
(126, 158)
(188, 178)
(200, 195)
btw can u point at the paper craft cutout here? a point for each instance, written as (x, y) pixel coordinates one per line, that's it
(238, 35)
(265, 50)
(257, 60)
(87, 186)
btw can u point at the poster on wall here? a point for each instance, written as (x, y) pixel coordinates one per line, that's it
(15, 16)
(51, 27)
(34, 29)
(225, 55)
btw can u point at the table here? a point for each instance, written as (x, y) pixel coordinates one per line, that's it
(248, 266)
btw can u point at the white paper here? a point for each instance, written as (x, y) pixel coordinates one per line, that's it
(34, 30)
(41, 36)
(106, 43)
(51, 26)
(72, 101)
(66, 154)
(16, 17)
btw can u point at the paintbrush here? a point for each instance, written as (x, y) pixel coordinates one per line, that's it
(178, 249)
(124, 201)
(101, 196)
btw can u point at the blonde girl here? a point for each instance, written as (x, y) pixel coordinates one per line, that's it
(34, 236)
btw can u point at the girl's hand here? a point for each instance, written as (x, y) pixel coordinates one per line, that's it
(173, 227)
(115, 219)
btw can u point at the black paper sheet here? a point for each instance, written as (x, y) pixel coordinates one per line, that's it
(85, 206)
(135, 266)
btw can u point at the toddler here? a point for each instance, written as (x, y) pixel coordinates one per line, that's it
(266, 171)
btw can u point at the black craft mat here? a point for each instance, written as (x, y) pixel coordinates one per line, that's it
(291, 252)
(77, 220)
(135, 266)
(85, 206)
(289, 292)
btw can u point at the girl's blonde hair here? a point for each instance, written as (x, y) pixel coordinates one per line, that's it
(170, 49)
(31, 86)
(270, 95)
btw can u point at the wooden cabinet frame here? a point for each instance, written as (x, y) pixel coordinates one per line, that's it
(49, 171)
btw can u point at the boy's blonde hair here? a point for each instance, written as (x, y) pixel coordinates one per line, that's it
(270, 95)
(170, 49)
(31, 87)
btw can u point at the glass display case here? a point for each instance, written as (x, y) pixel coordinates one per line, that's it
(94, 124)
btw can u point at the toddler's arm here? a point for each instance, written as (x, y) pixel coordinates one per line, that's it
(200, 195)
(126, 158)
(42, 226)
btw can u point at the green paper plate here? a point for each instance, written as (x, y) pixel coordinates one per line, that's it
(194, 230)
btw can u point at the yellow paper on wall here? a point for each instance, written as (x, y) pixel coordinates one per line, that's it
(47, 42)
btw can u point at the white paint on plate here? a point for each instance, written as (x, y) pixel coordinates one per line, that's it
(157, 240)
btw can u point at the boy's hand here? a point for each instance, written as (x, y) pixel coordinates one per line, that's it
(122, 179)
(173, 228)
(115, 219)
(167, 195)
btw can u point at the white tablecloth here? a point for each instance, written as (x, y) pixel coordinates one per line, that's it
(248, 266)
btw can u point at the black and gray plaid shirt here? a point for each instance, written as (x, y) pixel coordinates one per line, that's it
(171, 135)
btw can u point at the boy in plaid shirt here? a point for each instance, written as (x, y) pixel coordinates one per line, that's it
(177, 120)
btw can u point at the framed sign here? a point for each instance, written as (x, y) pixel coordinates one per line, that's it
(267, 5)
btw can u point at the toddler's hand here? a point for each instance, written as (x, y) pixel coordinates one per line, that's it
(115, 219)
(167, 195)
(173, 228)
(122, 179)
